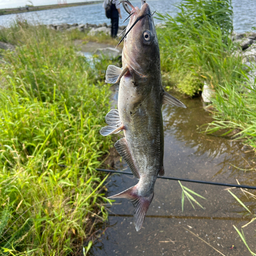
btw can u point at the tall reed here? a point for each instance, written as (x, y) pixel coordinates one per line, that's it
(196, 47)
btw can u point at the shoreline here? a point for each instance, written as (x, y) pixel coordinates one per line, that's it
(43, 7)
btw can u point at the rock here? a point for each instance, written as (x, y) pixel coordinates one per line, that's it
(71, 28)
(246, 43)
(92, 26)
(60, 27)
(65, 26)
(82, 27)
(108, 51)
(238, 36)
(208, 93)
(121, 27)
(6, 46)
(95, 31)
(252, 35)
(250, 54)
(50, 27)
(251, 74)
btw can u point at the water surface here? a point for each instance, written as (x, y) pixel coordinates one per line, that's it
(167, 230)
(244, 14)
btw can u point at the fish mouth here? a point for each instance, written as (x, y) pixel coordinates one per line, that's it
(127, 3)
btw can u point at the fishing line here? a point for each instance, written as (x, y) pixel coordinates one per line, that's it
(128, 17)
(186, 180)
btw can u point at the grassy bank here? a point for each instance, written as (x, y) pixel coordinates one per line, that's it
(196, 48)
(52, 105)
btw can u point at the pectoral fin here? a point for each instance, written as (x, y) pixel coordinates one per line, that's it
(123, 150)
(114, 74)
(107, 130)
(112, 118)
(169, 99)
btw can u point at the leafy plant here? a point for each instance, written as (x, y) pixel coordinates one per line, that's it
(196, 47)
(186, 192)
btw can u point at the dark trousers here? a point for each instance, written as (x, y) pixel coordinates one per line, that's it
(114, 20)
(114, 26)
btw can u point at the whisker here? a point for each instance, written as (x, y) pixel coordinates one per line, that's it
(139, 18)
(121, 34)
(128, 17)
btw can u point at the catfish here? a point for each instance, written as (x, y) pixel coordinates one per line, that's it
(139, 115)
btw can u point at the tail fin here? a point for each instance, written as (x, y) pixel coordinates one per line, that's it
(141, 204)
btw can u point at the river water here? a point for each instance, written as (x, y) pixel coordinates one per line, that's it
(244, 14)
(167, 229)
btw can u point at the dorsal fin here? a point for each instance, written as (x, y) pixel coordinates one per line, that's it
(123, 150)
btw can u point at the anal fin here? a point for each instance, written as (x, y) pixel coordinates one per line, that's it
(123, 150)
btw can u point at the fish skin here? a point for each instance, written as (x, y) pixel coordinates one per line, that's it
(140, 100)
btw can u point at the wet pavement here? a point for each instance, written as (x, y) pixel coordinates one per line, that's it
(168, 230)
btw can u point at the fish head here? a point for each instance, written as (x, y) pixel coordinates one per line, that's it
(141, 51)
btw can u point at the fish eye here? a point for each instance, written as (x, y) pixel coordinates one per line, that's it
(147, 36)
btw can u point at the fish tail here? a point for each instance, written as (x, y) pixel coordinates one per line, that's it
(140, 203)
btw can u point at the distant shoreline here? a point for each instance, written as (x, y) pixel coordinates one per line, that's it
(42, 7)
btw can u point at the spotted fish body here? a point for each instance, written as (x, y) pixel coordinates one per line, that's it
(139, 115)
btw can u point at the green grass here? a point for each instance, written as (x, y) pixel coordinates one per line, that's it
(52, 105)
(99, 38)
(195, 46)
(188, 193)
(249, 196)
(234, 113)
